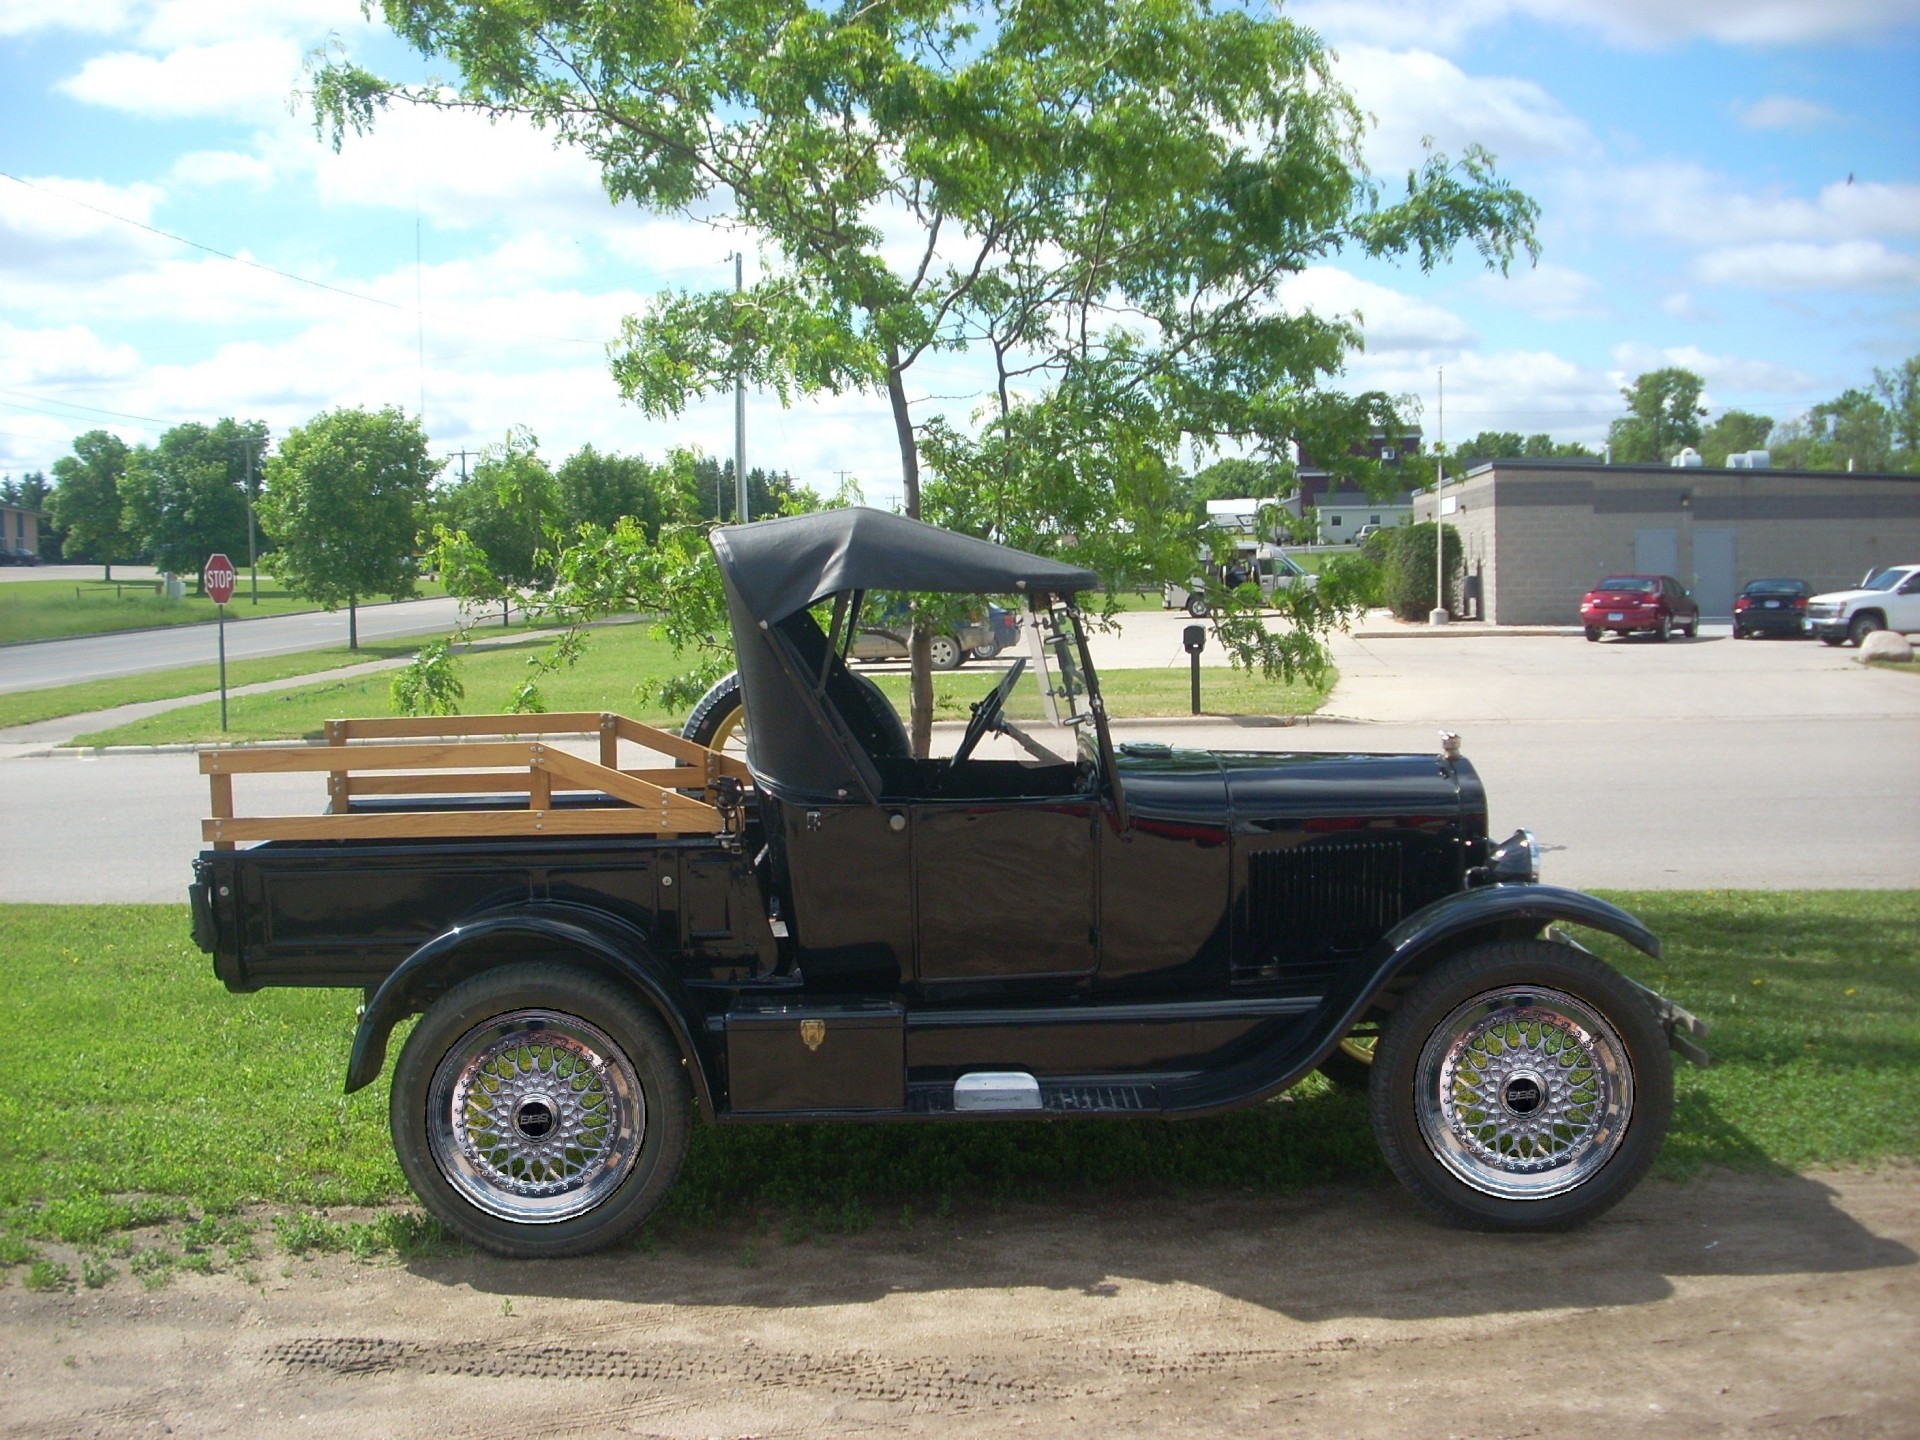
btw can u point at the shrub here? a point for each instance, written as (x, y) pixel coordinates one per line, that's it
(1405, 557)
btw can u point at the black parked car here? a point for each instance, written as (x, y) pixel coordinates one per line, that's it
(1173, 932)
(18, 555)
(1771, 607)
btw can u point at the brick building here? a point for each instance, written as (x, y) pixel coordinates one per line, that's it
(1536, 534)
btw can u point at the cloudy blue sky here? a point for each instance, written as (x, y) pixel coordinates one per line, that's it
(1730, 185)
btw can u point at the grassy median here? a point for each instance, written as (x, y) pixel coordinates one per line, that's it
(623, 664)
(144, 1092)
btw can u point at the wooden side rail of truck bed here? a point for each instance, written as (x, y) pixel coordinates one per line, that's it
(631, 801)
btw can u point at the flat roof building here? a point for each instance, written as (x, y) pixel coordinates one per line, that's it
(1536, 534)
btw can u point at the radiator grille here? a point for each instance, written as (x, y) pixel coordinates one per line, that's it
(1313, 905)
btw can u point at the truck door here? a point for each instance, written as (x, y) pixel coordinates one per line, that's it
(1006, 889)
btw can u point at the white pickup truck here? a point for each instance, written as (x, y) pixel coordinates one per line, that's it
(1888, 600)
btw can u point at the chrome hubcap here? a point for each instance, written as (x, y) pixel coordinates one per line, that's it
(535, 1116)
(1524, 1093)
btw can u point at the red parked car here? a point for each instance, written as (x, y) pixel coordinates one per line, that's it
(1658, 604)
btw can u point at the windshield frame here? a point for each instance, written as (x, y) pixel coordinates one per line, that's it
(1057, 637)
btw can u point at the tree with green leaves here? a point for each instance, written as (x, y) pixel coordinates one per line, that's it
(603, 489)
(1663, 416)
(768, 492)
(1898, 390)
(1734, 433)
(344, 500)
(86, 503)
(1101, 199)
(185, 497)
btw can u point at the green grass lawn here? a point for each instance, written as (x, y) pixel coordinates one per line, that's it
(149, 1093)
(24, 707)
(58, 609)
(623, 662)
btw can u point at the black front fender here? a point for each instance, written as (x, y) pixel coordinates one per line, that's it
(597, 941)
(1494, 912)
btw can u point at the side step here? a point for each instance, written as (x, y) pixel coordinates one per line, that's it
(1012, 1092)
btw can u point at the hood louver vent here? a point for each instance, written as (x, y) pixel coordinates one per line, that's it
(1313, 906)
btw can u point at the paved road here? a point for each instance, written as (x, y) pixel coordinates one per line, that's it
(98, 657)
(1695, 764)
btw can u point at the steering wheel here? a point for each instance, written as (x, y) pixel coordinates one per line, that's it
(986, 713)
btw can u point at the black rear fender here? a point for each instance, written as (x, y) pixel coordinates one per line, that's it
(596, 942)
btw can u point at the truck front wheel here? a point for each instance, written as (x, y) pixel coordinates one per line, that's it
(1521, 1086)
(539, 1111)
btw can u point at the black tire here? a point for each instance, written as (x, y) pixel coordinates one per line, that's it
(1593, 632)
(987, 651)
(1505, 1170)
(1663, 632)
(1861, 627)
(713, 712)
(1830, 640)
(516, 1181)
(944, 652)
(1692, 629)
(1198, 608)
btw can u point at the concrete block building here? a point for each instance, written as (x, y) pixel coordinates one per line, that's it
(1536, 534)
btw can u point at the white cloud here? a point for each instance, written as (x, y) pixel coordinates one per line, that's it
(1789, 265)
(221, 167)
(237, 79)
(100, 17)
(1526, 391)
(1392, 322)
(1697, 207)
(63, 355)
(1683, 306)
(173, 23)
(1546, 291)
(1449, 24)
(1783, 112)
(59, 231)
(1731, 372)
(1416, 93)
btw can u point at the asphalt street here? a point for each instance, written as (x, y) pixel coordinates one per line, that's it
(1708, 763)
(97, 657)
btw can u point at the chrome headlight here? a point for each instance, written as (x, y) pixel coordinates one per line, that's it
(1514, 861)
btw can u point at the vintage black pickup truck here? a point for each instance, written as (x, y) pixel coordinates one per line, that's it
(607, 952)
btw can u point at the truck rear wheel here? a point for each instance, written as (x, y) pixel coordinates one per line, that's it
(539, 1111)
(1521, 1086)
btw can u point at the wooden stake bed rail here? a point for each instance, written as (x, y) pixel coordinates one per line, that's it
(635, 802)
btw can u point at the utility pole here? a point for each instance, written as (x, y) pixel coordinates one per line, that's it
(462, 454)
(1439, 615)
(246, 444)
(739, 425)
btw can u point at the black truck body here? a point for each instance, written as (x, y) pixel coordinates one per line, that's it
(1134, 930)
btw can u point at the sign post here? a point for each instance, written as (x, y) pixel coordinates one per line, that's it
(217, 578)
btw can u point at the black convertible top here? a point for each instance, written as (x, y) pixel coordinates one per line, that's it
(777, 567)
(810, 735)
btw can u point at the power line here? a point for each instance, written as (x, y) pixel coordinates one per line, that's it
(72, 405)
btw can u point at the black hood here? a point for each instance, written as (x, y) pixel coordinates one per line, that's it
(1316, 794)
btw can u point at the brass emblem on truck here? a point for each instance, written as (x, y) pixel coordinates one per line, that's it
(812, 1032)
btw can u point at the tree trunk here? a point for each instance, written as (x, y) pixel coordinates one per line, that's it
(353, 625)
(108, 567)
(920, 645)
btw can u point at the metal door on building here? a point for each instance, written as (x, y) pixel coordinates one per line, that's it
(1656, 552)
(1713, 572)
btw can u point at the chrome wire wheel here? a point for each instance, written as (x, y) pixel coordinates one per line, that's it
(535, 1116)
(1522, 1093)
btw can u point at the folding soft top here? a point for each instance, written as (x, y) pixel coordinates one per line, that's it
(777, 567)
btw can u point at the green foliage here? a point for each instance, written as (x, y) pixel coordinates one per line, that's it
(1663, 415)
(1735, 432)
(86, 502)
(768, 494)
(185, 497)
(1510, 445)
(46, 1275)
(1403, 556)
(1852, 429)
(344, 498)
(1103, 199)
(603, 490)
(500, 519)
(430, 684)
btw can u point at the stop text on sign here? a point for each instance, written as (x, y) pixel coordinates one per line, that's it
(218, 578)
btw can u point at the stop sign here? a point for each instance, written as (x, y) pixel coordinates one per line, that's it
(218, 578)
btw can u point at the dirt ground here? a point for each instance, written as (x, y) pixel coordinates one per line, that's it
(1736, 1305)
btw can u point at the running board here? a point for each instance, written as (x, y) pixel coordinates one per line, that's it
(1016, 1092)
